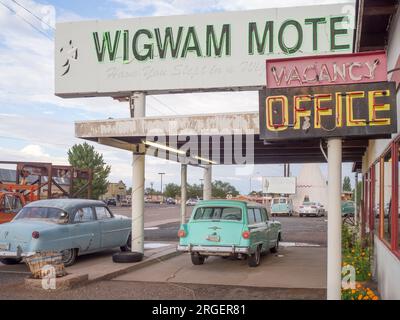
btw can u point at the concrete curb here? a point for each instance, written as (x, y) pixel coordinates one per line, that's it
(138, 265)
(72, 280)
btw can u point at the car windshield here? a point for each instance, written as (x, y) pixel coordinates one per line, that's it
(218, 213)
(275, 201)
(43, 213)
(282, 201)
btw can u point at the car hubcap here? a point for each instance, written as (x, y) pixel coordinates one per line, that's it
(67, 255)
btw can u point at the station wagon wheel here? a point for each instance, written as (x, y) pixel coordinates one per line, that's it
(254, 259)
(197, 259)
(69, 257)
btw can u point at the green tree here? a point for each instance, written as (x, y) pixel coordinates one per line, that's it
(171, 190)
(359, 192)
(83, 156)
(221, 189)
(194, 191)
(346, 184)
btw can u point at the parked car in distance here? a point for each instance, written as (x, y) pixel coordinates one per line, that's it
(126, 203)
(70, 226)
(310, 209)
(229, 228)
(348, 208)
(111, 202)
(192, 202)
(282, 206)
(170, 201)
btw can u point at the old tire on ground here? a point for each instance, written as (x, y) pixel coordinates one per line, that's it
(10, 261)
(69, 256)
(127, 257)
(253, 260)
(128, 244)
(197, 259)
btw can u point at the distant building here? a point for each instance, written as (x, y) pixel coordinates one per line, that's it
(115, 190)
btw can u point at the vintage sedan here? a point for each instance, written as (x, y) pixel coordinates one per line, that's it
(229, 228)
(70, 226)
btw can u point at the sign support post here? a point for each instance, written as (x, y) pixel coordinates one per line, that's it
(207, 182)
(334, 281)
(183, 192)
(138, 104)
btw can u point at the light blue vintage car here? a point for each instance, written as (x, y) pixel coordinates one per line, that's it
(70, 226)
(229, 228)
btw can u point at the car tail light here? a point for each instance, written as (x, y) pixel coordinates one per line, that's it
(181, 233)
(35, 234)
(246, 234)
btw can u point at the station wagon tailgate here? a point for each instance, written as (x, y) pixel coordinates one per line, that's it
(217, 226)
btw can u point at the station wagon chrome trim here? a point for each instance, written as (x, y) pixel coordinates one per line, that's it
(212, 249)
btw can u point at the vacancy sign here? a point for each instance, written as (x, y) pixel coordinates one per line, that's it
(189, 53)
(327, 70)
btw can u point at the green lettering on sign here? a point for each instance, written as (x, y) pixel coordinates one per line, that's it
(168, 41)
(336, 32)
(107, 43)
(281, 41)
(188, 47)
(148, 48)
(314, 22)
(254, 36)
(212, 41)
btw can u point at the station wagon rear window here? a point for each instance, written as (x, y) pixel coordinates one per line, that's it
(43, 213)
(218, 213)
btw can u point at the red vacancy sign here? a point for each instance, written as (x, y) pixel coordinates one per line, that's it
(327, 70)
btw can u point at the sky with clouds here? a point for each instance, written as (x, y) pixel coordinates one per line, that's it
(35, 125)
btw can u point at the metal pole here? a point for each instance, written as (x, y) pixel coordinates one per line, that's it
(162, 195)
(334, 219)
(356, 199)
(183, 192)
(138, 104)
(207, 182)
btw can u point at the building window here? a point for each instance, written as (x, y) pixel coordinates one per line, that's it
(376, 201)
(387, 197)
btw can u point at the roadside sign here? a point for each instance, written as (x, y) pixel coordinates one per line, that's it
(189, 53)
(327, 70)
(357, 110)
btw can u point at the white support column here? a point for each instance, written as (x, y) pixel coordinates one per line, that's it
(183, 192)
(334, 281)
(138, 103)
(207, 182)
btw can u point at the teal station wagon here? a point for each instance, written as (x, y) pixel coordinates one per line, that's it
(229, 228)
(70, 226)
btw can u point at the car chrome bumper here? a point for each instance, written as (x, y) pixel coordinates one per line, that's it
(11, 254)
(213, 250)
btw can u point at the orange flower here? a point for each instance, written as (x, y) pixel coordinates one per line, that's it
(375, 298)
(360, 297)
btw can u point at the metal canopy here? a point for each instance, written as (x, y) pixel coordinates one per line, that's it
(200, 133)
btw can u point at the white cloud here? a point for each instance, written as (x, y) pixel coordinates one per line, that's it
(34, 150)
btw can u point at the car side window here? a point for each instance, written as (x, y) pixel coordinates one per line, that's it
(84, 215)
(257, 214)
(264, 215)
(102, 213)
(250, 216)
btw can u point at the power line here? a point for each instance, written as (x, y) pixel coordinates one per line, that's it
(165, 105)
(38, 18)
(26, 21)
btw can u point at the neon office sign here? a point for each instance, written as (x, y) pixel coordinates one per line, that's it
(203, 52)
(328, 96)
